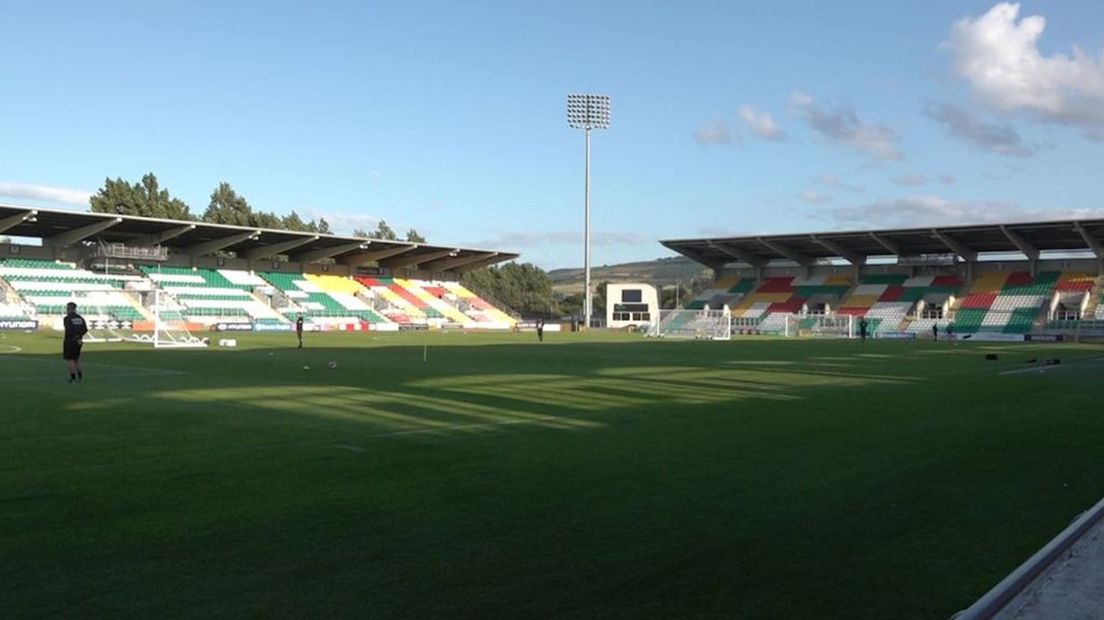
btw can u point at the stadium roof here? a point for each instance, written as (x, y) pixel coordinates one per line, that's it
(966, 241)
(65, 228)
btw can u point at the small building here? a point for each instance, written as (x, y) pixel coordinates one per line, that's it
(631, 305)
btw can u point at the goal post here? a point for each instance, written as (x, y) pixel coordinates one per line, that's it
(820, 326)
(704, 324)
(170, 329)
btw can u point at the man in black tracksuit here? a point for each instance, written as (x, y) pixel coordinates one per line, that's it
(75, 329)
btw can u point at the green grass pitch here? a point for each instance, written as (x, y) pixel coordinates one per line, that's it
(596, 476)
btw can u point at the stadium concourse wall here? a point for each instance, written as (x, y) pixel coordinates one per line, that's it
(1000, 300)
(80, 253)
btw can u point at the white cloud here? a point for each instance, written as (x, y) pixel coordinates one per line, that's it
(761, 123)
(910, 180)
(917, 211)
(45, 193)
(344, 223)
(527, 240)
(843, 126)
(715, 133)
(1000, 138)
(1000, 58)
(814, 198)
(832, 181)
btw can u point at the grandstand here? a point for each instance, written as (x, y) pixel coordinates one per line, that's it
(210, 275)
(996, 281)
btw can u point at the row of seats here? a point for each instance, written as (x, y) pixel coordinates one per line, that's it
(1008, 302)
(209, 295)
(47, 286)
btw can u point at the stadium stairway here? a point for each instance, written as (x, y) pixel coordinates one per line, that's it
(435, 300)
(1008, 302)
(481, 311)
(400, 309)
(311, 298)
(348, 294)
(725, 291)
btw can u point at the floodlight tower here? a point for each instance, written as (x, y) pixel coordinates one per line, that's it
(587, 112)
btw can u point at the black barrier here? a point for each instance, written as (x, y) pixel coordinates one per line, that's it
(1045, 337)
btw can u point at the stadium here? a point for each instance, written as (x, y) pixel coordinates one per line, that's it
(422, 457)
(584, 310)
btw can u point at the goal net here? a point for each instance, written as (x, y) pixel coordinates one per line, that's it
(820, 326)
(170, 328)
(702, 324)
(111, 316)
(101, 308)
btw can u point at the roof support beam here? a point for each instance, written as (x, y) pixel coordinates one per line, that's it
(739, 254)
(313, 255)
(1021, 244)
(699, 257)
(69, 237)
(956, 246)
(448, 264)
(214, 245)
(850, 256)
(268, 251)
(1091, 241)
(890, 246)
(413, 260)
(165, 235)
(371, 256)
(796, 257)
(15, 220)
(496, 257)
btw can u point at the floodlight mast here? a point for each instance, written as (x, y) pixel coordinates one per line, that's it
(587, 112)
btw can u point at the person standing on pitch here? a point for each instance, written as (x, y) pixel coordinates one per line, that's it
(75, 329)
(862, 328)
(540, 330)
(299, 330)
(935, 332)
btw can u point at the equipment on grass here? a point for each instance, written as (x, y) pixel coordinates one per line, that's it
(333, 365)
(704, 324)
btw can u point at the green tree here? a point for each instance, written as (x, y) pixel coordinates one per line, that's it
(146, 199)
(292, 221)
(385, 232)
(523, 287)
(413, 236)
(228, 207)
(324, 226)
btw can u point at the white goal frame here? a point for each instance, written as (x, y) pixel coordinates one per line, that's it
(704, 324)
(169, 334)
(824, 326)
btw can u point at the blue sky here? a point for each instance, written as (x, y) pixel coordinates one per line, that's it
(728, 117)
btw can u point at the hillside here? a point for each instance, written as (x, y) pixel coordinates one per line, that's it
(658, 271)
